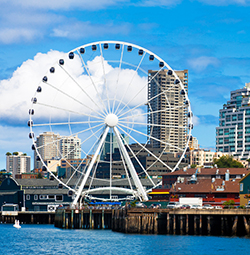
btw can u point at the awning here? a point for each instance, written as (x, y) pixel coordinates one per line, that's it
(159, 193)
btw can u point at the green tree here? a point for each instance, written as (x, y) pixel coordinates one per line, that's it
(227, 161)
(193, 166)
(15, 153)
(8, 154)
(229, 203)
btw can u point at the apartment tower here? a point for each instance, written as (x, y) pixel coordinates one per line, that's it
(170, 110)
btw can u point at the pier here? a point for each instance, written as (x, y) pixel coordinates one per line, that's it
(226, 222)
(28, 217)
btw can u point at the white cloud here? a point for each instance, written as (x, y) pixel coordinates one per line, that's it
(76, 30)
(225, 2)
(64, 4)
(162, 3)
(14, 35)
(75, 90)
(196, 120)
(201, 63)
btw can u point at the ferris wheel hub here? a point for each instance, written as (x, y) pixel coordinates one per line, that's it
(111, 120)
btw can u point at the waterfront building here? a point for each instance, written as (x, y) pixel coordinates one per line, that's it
(17, 163)
(33, 194)
(168, 179)
(175, 116)
(52, 146)
(47, 195)
(214, 185)
(244, 190)
(212, 191)
(233, 133)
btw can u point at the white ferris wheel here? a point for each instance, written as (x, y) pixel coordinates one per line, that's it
(110, 95)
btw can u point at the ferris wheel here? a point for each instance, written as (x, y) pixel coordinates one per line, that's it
(116, 117)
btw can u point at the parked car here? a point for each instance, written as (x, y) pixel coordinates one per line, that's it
(140, 205)
(207, 206)
(173, 205)
(195, 207)
(185, 206)
(247, 206)
(217, 207)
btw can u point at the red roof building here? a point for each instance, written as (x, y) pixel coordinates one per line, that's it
(214, 192)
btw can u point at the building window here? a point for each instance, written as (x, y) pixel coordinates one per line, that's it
(35, 197)
(240, 116)
(43, 197)
(27, 197)
(234, 117)
(241, 186)
(59, 197)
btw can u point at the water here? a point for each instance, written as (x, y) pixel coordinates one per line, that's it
(46, 239)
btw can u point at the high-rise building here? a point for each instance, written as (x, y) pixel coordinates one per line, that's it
(17, 163)
(70, 147)
(170, 113)
(233, 133)
(52, 146)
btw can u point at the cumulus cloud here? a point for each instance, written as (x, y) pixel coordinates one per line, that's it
(201, 63)
(71, 87)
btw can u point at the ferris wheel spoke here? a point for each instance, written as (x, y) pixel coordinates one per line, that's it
(139, 105)
(145, 113)
(151, 137)
(144, 148)
(88, 153)
(65, 123)
(139, 93)
(74, 99)
(151, 124)
(125, 167)
(80, 87)
(110, 163)
(104, 77)
(77, 133)
(70, 111)
(117, 80)
(138, 161)
(104, 110)
(93, 160)
(127, 88)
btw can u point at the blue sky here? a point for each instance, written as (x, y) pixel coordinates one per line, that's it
(210, 38)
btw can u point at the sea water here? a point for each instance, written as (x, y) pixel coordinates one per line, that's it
(46, 239)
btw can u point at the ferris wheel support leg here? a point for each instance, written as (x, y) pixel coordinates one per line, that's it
(93, 160)
(131, 167)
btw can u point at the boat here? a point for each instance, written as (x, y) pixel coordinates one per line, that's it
(17, 224)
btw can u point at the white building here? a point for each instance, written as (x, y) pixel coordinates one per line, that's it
(203, 157)
(233, 133)
(52, 146)
(18, 164)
